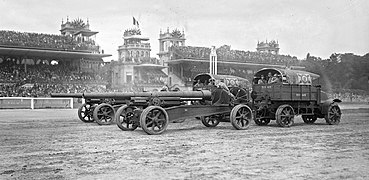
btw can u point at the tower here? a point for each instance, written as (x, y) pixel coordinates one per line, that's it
(135, 70)
(134, 51)
(80, 31)
(167, 40)
(134, 48)
(265, 47)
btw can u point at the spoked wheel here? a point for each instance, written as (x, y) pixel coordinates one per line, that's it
(262, 121)
(241, 116)
(240, 94)
(104, 114)
(309, 119)
(285, 115)
(210, 121)
(124, 118)
(334, 115)
(85, 113)
(154, 120)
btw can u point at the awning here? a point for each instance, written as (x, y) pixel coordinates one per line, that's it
(28, 85)
(86, 33)
(151, 66)
(137, 37)
(155, 72)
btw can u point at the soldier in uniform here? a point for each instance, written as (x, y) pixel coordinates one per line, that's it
(221, 85)
(274, 79)
(262, 80)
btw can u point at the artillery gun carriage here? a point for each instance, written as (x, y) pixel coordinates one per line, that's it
(152, 111)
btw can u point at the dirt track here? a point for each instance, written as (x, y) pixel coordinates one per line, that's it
(54, 144)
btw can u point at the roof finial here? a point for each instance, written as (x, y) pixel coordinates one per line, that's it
(67, 19)
(167, 29)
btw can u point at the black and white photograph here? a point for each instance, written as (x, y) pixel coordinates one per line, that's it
(184, 89)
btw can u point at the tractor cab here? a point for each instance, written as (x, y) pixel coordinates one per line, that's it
(236, 87)
(284, 84)
(206, 81)
(284, 76)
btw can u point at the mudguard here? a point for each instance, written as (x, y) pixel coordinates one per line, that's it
(325, 105)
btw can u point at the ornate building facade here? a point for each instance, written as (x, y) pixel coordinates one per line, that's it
(80, 31)
(167, 40)
(135, 70)
(268, 47)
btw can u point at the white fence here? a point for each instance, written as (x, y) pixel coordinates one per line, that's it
(34, 103)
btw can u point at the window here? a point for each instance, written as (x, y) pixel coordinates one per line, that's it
(128, 77)
(116, 77)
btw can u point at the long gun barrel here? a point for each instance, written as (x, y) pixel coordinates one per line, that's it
(178, 95)
(67, 95)
(183, 95)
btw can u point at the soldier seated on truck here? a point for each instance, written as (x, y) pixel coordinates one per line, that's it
(274, 79)
(212, 81)
(269, 77)
(221, 85)
(165, 88)
(199, 84)
(262, 80)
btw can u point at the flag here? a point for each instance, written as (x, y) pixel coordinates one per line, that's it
(135, 22)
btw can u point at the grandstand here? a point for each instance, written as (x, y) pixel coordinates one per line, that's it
(37, 64)
(185, 62)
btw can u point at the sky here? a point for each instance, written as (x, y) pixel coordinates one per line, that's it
(300, 26)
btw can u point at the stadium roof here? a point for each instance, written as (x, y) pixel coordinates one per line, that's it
(248, 64)
(150, 66)
(136, 37)
(47, 53)
(86, 33)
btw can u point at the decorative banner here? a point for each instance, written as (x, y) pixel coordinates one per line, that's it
(304, 79)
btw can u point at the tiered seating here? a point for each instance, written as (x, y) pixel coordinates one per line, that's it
(224, 53)
(41, 80)
(48, 41)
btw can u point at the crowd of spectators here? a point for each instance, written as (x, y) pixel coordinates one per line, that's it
(349, 95)
(45, 89)
(48, 41)
(11, 72)
(224, 53)
(190, 52)
(40, 80)
(150, 80)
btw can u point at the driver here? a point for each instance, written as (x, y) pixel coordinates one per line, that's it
(221, 85)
